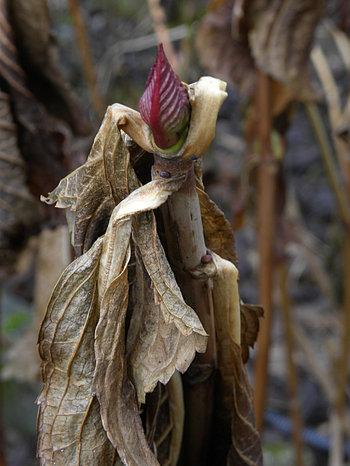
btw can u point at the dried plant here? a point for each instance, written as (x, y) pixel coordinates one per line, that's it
(129, 311)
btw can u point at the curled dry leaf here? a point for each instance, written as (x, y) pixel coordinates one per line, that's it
(108, 165)
(18, 211)
(236, 401)
(169, 331)
(250, 322)
(281, 39)
(39, 58)
(223, 53)
(69, 424)
(236, 37)
(217, 229)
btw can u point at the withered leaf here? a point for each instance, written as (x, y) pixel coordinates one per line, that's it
(69, 424)
(281, 38)
(119, 407)
(250, 317)
(223, 53)
(238, 36)
(19, 214)
(88, 191)
(236, 401)
(217, 230)
(39, 58)
(156, 345)
(246, 448)
(173, 306)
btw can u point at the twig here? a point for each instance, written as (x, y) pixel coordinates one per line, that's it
(341, 195)
(266, 228)
(109, 62)
(158, 16)
(86, 57)
(328, 160)
(319, 372)
(292, 372)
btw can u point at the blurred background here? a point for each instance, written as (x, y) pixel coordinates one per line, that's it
(279, 168)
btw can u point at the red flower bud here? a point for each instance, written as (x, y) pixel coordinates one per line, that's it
(164, 105)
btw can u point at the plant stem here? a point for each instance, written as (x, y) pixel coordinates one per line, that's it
(341, 196)
(266, 229)
(158, 16)
(328, 160)
(291, 368)
(86, 57)
(186, 247)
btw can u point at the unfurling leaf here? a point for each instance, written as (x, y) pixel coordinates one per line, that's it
(164, 105)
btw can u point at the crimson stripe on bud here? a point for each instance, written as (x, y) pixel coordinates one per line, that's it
(164, 105)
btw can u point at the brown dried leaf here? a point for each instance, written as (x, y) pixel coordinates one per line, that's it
(92, 190)
(69, 424)
(19, 213)
(223, 53)
(236, 401)
(172, 304)
(281, 38)
(42, 139)
(119, 408)
(246, 448)
(39, 58)
(250, 317)
(217, 229)
(238, 36)
(156, 345)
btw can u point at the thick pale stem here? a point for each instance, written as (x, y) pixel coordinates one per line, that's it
(186, 250)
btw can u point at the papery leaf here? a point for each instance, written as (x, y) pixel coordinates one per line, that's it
(281, 38)
(223, 53)
(31, 22)
(173, 306)
(217, 229)
(19, 213)
(156, 345)
(164, 105)
(235, 395)
(250, 323)
(89, 191)
(237, 37)
(69, 424)
(119, 408)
